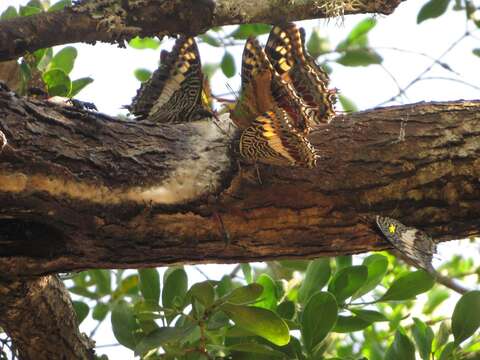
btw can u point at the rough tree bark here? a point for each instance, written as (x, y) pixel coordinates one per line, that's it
(116, 21)
(33, 308)
(81, 190)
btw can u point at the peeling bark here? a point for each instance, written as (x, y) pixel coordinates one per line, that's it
(51, 330)
(121, 21)
(82, 190)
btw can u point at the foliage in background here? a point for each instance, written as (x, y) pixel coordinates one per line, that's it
(43, 70)
(321, 309)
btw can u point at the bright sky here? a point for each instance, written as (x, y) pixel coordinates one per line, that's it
(115, 85)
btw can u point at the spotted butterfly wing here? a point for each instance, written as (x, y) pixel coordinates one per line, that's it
(286, 51)
(272, 139)
(174, 92)
(414, 244)
(263, 89)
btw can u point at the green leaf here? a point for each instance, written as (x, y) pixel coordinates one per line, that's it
(29, 10)
(209, 69)
(316, 277)
(255, 348)
(58, 83)
(203, 292)
(402, 348)
(369, 315)
(149, 285)
(435, 297)
(247, 272)
(361, 29)
(442, 336)
(261, 322)
(347, 104)
(318, 318)
(228, 65)
(409, 285)
(124, 324)
(83, 291)
(347, 324)
(78, 85)
(210, 40)
(144, 43)
(81, 309)
(343, 261)
(466, 316)
(362, 319)
(175, 287)
(224, 286)
(358, 36)
(162, 336)
(317, 45)
(432, 9)
(447, 351)
(128, 286)
(286, 309)
(142, 75)
(35, 3)
(423, 335)
(347, 281)
(246, 30)
(377, 268)
(45, 60)
(268, 299)
(64, 59)
(60, 5)
(9, 13)
(102, 281)
(476, 52)
(243, 295)
(100, 311)
(360, 57)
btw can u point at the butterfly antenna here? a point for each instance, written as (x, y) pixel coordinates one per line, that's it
(232, 92)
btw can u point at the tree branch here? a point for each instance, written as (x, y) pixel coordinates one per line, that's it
(49, 333)
(82, 190)
(115, 22)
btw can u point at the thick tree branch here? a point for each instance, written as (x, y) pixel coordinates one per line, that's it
(116, 21)
(51, 331)
(80, 190)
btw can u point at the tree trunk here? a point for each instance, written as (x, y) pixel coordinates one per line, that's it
(115, 22)
(39, 316)
(83, 190)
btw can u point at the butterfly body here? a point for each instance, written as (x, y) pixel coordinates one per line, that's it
(174, 92)
(413, 243)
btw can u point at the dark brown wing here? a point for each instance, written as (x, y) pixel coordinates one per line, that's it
(174, 92)
(286, 51)
(272, 139)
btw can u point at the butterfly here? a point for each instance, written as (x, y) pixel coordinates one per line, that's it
(174, 92)
(271, 114)
(286, 51)
(412, 243)
(272, 139)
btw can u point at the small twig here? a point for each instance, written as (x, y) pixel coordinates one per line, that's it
(427, 69)
(449, 283)
(450, 79)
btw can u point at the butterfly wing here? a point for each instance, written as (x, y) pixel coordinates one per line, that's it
(416, 245)
(255, 79)
(174, 92)
(263, 89)
(272, 139)
(286, 51)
